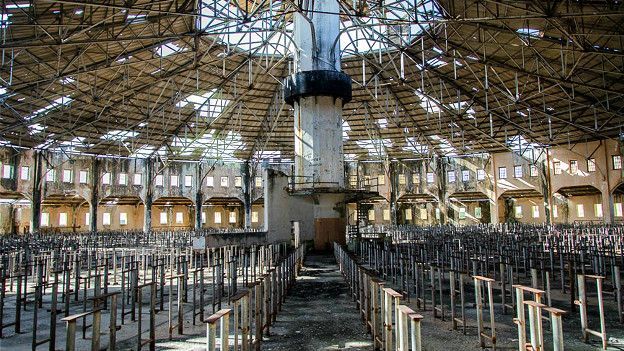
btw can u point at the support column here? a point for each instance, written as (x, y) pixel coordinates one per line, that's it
(317, 91)
(95, 180)
(247, 190)
(147, 204)
(35, 213)
(394, 190)
(199, 198)
(442, 203)
(606, 195)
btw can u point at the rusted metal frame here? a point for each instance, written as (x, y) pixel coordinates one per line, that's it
(230, 106)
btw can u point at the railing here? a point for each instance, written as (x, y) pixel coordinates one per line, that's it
(392, 326)
(254, 310)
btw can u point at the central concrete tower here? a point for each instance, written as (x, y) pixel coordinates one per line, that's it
(317, 90)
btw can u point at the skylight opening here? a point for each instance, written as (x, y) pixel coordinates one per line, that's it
(119, 135)
(427, 103)
(413, 146)
(4, 20)
(68, 80)
(23, 5)
(222, 18)
(376, 147)
(138, 18)
(208, 105)
(346, 128)
(530, 32)
(35, 128)
(267, 155)
(169, 49)
(56, 104)
(382, 123)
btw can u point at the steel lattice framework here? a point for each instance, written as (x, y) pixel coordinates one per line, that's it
(203, 79)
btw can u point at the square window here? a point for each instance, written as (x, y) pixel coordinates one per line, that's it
(254, 217)
(179, 218)
(67, 175)
(408, 214)
(83, 177)
(386, 215)
(462, 213)
(535, 211)
(557, 167)
(106, 178)
(87, 219)
(555, 211)
(402, 179)
(188, 180)
(381, 179)
(518, 171)
(174, 180)
(163, 218)
(598, 210)
(617, 161)
(573, 167)
(232, 217)
(138, 179)
(123, 218)
(415, 178)
(465, 175)
(123, 179)
(480, 174)
(353, 181)
(7, 171)
(159, 180)
(451, 176)
(224, 182)
(217, 217)
(259, 182)
(423, 214)
(518, 211)
(63, 219)
(25, 173)
(45, 219)
(502, 172)
(617, 209)
(591, 165)
(430, 177)
(580, 210)
(478, 212)
(50, 175)
(106, 218)
(533, 170)
(210, 181)
(371, 215)
(238, 182)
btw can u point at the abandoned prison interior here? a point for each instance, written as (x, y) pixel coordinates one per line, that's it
(311, 175)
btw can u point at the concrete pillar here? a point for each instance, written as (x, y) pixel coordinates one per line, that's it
(607, 198)
(394, 191)
(199, 199)
(35, 213)
(247, 189)
(95, 184)
(493, 195)
(442, 202)
(147, 204)
(317, 91)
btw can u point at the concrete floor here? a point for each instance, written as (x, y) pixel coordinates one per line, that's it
(318, 314)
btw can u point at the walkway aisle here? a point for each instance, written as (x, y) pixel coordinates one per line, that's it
(318, 313)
